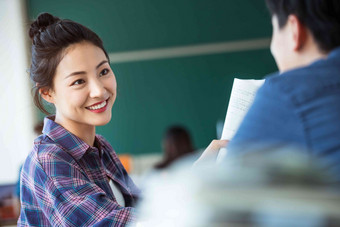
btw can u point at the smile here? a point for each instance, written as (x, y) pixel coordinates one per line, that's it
(98, 107)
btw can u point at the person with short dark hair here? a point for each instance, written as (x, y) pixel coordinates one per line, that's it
(300, 105)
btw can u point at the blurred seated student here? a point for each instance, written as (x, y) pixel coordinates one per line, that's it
(299, 105)
(176, 144)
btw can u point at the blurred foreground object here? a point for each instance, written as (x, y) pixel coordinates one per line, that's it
(284, 189)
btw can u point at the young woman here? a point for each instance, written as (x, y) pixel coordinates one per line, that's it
(73, 177)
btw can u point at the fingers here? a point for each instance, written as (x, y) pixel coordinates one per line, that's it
(217, 144)
(212, 150)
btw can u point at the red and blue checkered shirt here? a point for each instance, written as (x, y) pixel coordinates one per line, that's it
(64, 182)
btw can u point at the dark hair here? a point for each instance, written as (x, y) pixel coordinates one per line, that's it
(177, 143)
(321, 17)
(50, 37)
(38, 127)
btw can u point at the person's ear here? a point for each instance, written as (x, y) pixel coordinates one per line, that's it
(47, 94)
(298, 32)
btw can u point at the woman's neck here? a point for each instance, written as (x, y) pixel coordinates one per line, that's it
(85, 132)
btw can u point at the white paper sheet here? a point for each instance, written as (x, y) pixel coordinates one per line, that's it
(241, 98)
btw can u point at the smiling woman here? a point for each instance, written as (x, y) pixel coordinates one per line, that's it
(73, 177)
(84, 90)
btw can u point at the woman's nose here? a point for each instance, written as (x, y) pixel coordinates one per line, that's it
(97, 88)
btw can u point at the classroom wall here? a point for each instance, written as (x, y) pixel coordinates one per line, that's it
(174, 61)
(17, 113)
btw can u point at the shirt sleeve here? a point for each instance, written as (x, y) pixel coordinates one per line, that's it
(68, 198)
(271, 122)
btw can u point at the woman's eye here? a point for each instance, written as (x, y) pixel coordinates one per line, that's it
(104, 72)
(77, 82)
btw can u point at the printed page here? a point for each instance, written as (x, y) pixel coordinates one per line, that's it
(241, 98)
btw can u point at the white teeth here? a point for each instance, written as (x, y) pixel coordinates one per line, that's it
(96, 107)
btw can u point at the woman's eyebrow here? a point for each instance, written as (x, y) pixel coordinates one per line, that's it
(101, 63)
(75, 73)
(83, 72)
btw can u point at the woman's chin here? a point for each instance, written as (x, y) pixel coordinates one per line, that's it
(102, 124)
(102, 121)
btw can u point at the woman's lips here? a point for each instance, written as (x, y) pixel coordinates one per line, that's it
(98, 107)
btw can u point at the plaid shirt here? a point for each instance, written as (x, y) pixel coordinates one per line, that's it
(64, 182)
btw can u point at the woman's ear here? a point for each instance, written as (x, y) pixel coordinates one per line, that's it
(47, 94)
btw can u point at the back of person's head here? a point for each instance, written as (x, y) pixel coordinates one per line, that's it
(176, 144)
(51, 36)
(321, 17)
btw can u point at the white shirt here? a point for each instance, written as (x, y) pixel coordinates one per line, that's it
(117, 193)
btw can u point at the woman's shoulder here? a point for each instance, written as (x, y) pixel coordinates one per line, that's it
(47, 150)
(44, 153)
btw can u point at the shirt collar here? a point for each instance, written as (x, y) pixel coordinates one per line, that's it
(73, 144)
(335, 53)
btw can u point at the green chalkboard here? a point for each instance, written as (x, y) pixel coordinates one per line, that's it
(154, 94)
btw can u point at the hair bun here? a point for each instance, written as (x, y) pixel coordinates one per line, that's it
(41, 23)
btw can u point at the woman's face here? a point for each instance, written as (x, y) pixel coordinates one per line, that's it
(84, 87)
